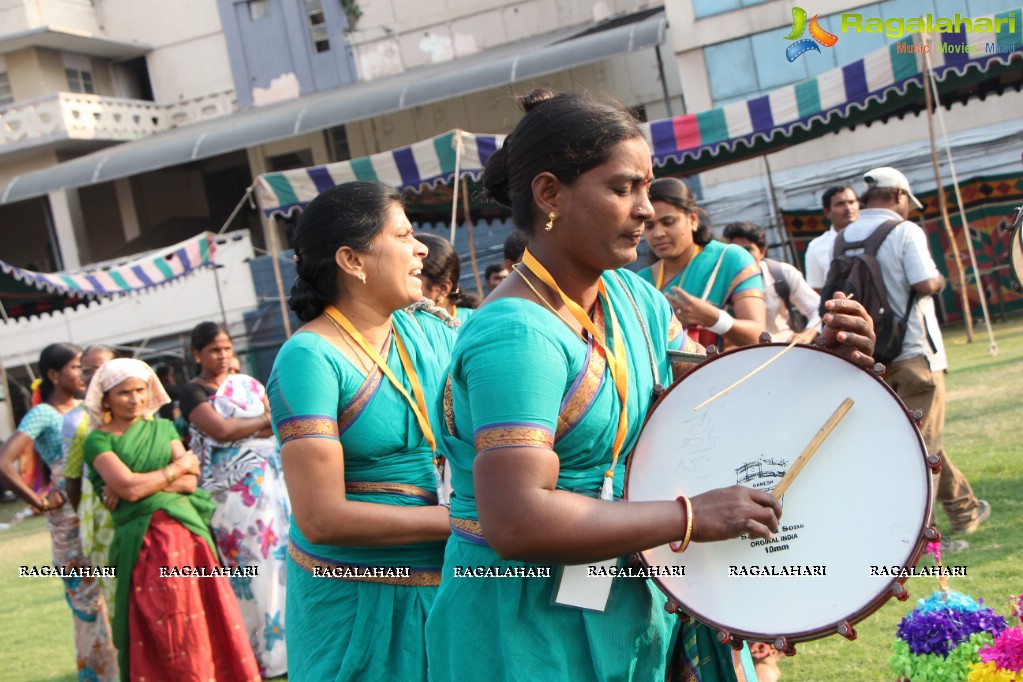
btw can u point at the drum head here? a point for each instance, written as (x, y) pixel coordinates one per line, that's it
(852, 519)
(1016, 250)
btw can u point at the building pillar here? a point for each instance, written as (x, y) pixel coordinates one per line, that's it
(126, 207)
(66, 214)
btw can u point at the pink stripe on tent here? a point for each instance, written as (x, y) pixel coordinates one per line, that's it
(687, 131)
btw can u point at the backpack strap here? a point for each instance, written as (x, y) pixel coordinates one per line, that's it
(871, 244)
(781, 286)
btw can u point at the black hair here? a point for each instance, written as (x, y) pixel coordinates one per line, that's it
(204, 333)
(55, 357)
(885, 194)
(831, 192)
(492, 269)
(442, 265)
(748, 231)
(351, 215)
(101, 348)
(678, 194)
(515, 245)
(563, 134)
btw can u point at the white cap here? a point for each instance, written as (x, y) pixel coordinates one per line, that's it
(889, 177)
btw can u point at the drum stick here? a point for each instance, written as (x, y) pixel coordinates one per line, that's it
(811, 448)
(804, 336)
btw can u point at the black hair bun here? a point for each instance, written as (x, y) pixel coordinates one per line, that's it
(536, 98)
(495, 176)
(306, 301)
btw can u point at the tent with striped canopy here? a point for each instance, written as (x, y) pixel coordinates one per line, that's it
(419, 166)
(24, 293)
(885, 82)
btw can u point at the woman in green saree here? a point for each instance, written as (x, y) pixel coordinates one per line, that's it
(168, 623)
(700, 275)
(549, 384)
(352, 395)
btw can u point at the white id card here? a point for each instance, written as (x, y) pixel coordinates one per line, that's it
(576, 587)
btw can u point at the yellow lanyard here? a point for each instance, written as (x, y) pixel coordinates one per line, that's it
(660, 272)
(419, 404)
(616, 361)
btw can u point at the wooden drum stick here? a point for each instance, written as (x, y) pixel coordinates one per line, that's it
(811, 448)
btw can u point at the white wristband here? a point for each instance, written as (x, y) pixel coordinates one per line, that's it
(724, 323)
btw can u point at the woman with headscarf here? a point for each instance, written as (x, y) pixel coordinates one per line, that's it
(169, 623)
(700, 275)
(61, 386)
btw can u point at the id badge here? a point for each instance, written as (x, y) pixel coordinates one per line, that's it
(580, 587)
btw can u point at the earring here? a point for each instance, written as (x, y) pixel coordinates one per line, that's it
(552, 216)
(362, 276)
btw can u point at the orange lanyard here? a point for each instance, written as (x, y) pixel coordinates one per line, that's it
(418, 405)
(616, 361)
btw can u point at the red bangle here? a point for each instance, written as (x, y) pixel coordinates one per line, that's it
(679, 547)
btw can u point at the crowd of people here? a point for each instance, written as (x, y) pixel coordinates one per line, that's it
(408, 430)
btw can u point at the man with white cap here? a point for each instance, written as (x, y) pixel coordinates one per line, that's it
(917, 374)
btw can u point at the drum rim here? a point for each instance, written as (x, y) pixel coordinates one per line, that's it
(1016, 248)
(879, 599)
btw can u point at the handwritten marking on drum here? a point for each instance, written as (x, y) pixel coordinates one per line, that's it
(772, 571)
(697, 438)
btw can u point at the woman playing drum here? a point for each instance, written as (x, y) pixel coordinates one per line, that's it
(549, 388)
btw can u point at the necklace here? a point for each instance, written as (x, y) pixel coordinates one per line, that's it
(344, 337)
(529, 284)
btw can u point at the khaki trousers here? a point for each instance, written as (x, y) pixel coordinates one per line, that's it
(922, 389)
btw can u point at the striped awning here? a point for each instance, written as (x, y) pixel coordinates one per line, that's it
(866, 89)
(427, 163)
(25, 293)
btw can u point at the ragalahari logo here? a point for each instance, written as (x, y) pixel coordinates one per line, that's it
(799, 26)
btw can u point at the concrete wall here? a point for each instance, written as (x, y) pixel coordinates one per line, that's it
(17, 16)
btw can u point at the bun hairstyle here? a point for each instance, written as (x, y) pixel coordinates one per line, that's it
(351, 215)
(563, 134)
(677, 193)
(442, 265)
(55, 357)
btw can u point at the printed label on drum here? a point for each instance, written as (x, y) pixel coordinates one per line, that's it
(780, 541)
(761, 474)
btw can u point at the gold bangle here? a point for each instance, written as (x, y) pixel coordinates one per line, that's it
(680, 547)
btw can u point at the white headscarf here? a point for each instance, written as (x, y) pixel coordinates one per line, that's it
(112, 373)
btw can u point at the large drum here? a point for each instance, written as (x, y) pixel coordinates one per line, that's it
(1016, 248)
(853, 521)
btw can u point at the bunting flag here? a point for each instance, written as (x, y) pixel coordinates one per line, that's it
(25, 293)
(861, 90)
(427, 163)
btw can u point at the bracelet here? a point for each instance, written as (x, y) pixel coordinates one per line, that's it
(724, 323)
(679, 547)
(170, 473)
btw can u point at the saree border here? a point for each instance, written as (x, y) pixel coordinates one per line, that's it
(417, 577)
(399, 489)
(306, 426)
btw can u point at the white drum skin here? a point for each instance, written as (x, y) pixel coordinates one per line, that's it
(854, 516)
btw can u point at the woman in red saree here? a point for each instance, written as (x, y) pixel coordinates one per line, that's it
(168, 623)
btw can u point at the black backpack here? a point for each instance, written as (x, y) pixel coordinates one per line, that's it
(797, 320)
(860, 275)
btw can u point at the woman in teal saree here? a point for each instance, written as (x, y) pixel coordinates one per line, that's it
(168, 623)
(702, 276)
(549, 384)
(352, 399)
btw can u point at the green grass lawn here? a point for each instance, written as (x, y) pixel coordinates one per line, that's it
(980, 435)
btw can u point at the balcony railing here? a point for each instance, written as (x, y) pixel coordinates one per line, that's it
(71, 116)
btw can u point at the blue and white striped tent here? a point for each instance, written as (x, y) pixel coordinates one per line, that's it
(427, 163)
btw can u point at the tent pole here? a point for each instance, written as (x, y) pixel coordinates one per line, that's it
(992, 346)
(277, 277)
(943, 205)
(776, 210)
(458, 172)
(9, 408)
(468, 229)
(234, 213)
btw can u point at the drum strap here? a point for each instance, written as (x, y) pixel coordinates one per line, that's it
(616, 360)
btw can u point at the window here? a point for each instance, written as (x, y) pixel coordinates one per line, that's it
(79, 73)
(708, 8)
(317, 25)
(259, 9)
(6, 95)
